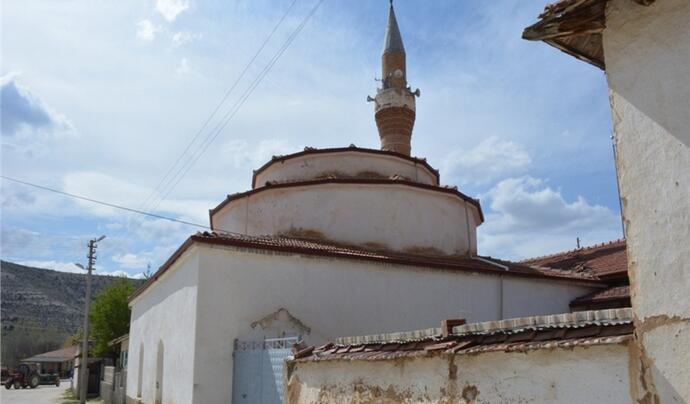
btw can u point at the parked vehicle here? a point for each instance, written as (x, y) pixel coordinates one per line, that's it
(49, 378)
(25, 376)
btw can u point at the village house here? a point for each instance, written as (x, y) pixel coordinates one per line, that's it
(327, 243)
(616, 355)
(60, 361)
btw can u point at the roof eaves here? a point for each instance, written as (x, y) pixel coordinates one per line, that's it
(310, 150)
(314, 248)
(162, 269)
(364, 181)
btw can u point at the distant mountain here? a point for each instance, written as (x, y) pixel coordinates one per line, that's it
(40, 308)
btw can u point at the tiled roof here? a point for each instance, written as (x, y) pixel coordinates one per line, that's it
(332, 249)
(351, 148)
(60, 355)
(363, 181)
(520, 334)
(615, 293)
(601, 260)
(486, 265)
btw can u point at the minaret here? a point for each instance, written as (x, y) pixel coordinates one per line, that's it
(394, 102)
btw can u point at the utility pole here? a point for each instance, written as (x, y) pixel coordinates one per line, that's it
(83, 366)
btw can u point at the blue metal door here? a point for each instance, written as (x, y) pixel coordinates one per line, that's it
(258, 370)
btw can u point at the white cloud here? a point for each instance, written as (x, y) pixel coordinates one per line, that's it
(69, 267)
(491, 159)
(21, 242)
(170, 9)
(183, 68)
(528, 219)
(146, 30)
(245, 155)
(131, 261)
(184, 37)
(107, 188)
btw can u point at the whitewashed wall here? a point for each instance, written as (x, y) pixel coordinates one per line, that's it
(167, 313)
(596, 374)
(349, 163)
(338, 298)
(394, 216)
(648, 67)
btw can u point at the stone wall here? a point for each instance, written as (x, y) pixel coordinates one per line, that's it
(597, 374)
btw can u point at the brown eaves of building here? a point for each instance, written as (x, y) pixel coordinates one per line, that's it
(335, 250)
(530, 336)
(352, 148)
(59, 355)
(363, 181)
(575, 27)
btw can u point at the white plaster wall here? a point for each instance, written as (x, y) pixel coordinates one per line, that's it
(348, 163)
(337, 298)
(167, 313)
(648, 67)
(394, 97)
(596, 374)
(396, 216)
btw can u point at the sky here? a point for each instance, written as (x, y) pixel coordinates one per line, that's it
(101, 99)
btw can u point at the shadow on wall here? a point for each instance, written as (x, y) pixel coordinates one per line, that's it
(649, 57)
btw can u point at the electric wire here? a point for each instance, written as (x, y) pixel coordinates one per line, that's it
(225, 120)
(108, 204)
(233, 111)
(151, 197)
(205, 144)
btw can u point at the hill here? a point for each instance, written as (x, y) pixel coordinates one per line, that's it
(41, 308)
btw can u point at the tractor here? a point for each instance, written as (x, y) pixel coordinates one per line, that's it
(25, 376)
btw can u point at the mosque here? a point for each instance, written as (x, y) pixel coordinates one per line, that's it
(329, 243)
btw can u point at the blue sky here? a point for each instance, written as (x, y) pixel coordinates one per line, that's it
(99, 99)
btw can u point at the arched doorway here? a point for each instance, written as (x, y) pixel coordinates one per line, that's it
(159, 373)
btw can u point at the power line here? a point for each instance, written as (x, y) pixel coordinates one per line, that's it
(108, 204)
(165, 181)
(248, 92)
(206, 143)
(222, 101)
(194, 157)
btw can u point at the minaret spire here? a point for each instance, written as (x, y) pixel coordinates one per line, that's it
(394, 102)
(393, 41)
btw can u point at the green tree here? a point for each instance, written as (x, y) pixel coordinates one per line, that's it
(110, 317)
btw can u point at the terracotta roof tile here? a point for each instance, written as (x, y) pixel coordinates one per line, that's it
(615, 293)
(487, 265)
(600, 260)
(560, 331)
(351, 148)
(313, 247)
(362, 181)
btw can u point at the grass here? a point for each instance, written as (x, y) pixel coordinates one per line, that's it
(68, 397)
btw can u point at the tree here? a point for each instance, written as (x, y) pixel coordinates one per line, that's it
(110, 317)
(74, 339)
